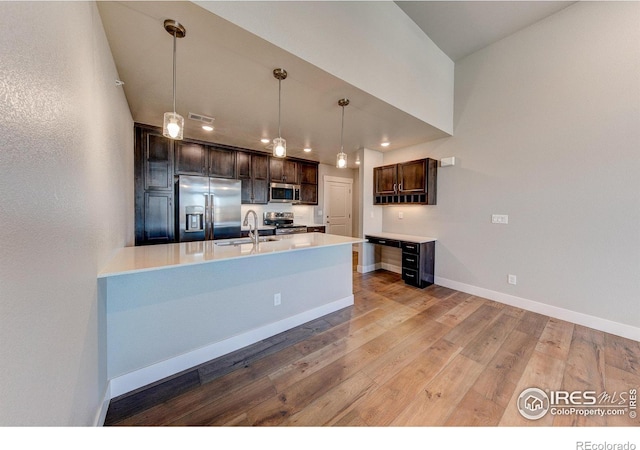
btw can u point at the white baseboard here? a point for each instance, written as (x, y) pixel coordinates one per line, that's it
(369, 268)
(391, 267)
(597, 323)
(101, 415)
(147, 375)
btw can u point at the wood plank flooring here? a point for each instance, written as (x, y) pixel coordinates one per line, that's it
(401, 356)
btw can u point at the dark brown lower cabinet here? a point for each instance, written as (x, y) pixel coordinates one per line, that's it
(158, 217)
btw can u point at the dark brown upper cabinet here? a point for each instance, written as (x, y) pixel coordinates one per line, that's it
(283, 170)
(222, 163)
(412, 182)
(308, 183)
(253, 172)
(198, 159)
(191, 158)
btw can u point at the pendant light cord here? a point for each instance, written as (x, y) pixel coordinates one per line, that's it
(279, 106)
(342, 133)
(174, 71)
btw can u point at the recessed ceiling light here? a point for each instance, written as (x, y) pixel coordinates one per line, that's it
(265, 140)
(385, 144)
(307, 149)
(207, 127)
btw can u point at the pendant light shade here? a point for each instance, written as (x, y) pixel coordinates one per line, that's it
(173, 123)
(279, 144)
(341, 159)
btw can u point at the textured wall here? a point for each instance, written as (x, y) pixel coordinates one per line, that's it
(66, 177)
(546, 131)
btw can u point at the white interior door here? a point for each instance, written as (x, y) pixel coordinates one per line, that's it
(337, 205)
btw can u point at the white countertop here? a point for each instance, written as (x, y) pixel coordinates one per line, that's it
(402, 237)
(153, 257)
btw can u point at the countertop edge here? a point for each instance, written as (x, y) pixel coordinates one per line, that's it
(104, 275)
(402, 237)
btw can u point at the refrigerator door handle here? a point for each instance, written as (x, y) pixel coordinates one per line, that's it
(212, 203)
(207, 217)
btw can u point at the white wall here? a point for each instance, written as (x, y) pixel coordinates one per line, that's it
(66, 176)
(547, 130)
(373, 45)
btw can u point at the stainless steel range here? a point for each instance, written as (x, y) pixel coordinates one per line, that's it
(283, 221)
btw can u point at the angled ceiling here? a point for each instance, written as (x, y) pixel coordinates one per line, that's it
(225, 72)
(460, 28)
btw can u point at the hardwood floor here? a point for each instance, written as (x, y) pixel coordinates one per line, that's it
(401, 356)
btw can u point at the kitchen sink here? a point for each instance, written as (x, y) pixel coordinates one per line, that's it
(247, 241)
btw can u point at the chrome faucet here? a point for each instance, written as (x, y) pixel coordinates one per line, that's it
(253, 235)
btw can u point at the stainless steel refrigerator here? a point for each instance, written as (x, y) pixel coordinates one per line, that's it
(207, 208)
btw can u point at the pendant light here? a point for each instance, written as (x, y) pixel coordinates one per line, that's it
(341, 160)
(279, 144)
(173, 125)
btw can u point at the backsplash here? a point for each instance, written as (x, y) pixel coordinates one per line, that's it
(303, 214)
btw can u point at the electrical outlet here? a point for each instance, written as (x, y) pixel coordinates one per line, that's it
(277, 299)
(512, 279)
(500, 218)
(400, 215)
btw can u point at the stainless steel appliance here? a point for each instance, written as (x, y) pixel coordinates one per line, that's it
(283, 221)
(207, 208)
(284, 193)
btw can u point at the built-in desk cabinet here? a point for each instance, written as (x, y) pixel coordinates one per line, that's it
(418, 259)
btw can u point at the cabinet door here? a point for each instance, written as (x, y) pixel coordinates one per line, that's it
(158, 217)
(190, 158)
(309, 194)
(412, 177)
(222, 163)
(385, 180)
(253, 171)
(260, 167)
(308, 173)
(158, 167)
(283, 171)
(291, 172)
(243, 165)
(260, 177)
(260, 191)
(276, 170)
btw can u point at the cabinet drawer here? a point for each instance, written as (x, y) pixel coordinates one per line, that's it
(382, 241)
(411, 277)
(410, 247)
(410, 261)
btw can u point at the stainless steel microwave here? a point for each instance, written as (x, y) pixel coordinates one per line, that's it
(284, 193)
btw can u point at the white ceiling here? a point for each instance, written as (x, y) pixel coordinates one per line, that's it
(226, 73)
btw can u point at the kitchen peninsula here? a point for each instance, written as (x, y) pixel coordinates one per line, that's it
(170, 307)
